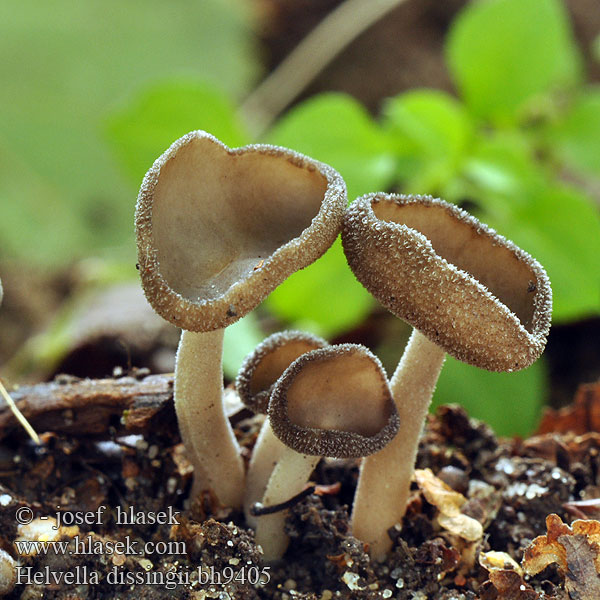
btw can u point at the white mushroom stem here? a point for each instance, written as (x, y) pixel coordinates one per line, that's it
(205, 429)
(287, 480)
(380, 502)
(267, 451)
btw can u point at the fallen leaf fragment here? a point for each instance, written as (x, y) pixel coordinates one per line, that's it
(438, 493)
(449, 503)
(576, 551)
(462, 525)
(580, 417)
(493, 561)
(582, 580)
(506, 584)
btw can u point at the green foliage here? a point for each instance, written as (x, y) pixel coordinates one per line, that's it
(64, 65)
(338, 130)
(554, 222)
(510, 403)
(574, 137)
(143, 129)
(240, 339)
(431, 132)
(505, 53)
(324, 298)
(334, 128)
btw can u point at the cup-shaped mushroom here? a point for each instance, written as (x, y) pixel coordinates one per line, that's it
(333, 402)
(464, 286)
(257, 376)
(262, 368)
(467, 291)
(217, 230)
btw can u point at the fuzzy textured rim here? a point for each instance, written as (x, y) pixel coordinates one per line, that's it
(244, 295)
(406, 248)
(331, 442)
(259, 402)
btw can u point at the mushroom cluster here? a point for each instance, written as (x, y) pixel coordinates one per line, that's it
(255, 381)
(218, 229)
(333, 401)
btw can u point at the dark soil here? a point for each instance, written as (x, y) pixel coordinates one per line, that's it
(510, 486)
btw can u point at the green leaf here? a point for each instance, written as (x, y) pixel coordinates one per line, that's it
(561, 228)
(504, 53)
(324, 298)
(556, 224)
(575, 139)
(509, 402)
(431, 131)
(337, 130)
(156, 117)
(240, 339)
(35, 224)
(64, 65)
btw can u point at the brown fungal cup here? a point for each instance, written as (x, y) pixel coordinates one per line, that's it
(217, 230)
(257, 376)
(262, 368)
(466, 290)
(465, 287)
(334, 402)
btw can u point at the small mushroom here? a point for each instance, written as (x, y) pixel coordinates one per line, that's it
(217, 230)
(335, 402)
(257, 376)
(467, 291)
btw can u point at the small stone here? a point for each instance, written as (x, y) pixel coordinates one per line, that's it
(290, 584)
(145, 564)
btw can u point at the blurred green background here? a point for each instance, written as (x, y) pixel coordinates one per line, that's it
(490, 106)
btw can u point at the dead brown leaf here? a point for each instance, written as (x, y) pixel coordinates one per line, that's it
(449, 503)
(574, 549)
(506, 584)
(580, 417)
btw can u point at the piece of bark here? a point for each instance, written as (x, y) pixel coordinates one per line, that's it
(103, 407)
(94, 406)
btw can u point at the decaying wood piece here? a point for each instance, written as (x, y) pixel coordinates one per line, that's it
(94, 406)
